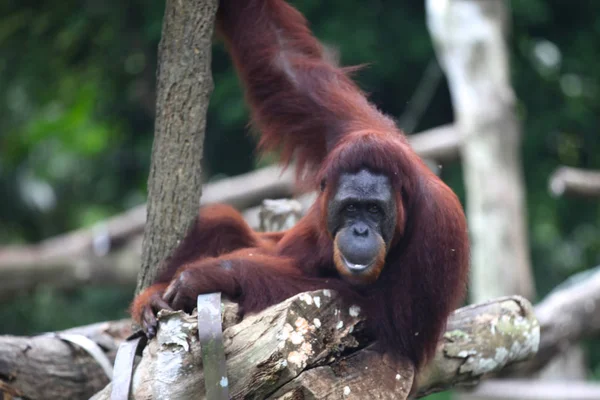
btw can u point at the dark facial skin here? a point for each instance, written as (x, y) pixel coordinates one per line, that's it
(362, 219)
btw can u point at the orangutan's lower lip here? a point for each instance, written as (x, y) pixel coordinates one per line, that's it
(355, 267)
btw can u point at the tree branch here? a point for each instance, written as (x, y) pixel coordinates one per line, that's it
(575, 182)
(441, 144)
(109, 253)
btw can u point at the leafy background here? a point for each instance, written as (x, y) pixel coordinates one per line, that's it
(77, 86)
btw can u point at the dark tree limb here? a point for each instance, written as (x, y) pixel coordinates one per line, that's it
(575, 182)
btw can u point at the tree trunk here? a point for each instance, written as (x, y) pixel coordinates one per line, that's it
(470, 40)
(184, 86)
(469, 37)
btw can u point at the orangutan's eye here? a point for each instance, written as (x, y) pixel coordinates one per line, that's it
(374, 209)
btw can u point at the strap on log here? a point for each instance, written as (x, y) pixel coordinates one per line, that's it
(91, 348)
(123, 369)
(210, 333)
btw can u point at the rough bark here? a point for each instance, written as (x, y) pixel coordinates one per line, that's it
(184, 85)
(480, 341)
(470, 41)
(570, 313)
(312, 345)
(568, 181)
(566, 316)
(46, 367)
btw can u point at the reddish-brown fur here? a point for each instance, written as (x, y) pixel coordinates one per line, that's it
(310, 109)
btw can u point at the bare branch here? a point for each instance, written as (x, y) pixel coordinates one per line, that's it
(421, 98)
(110, 252)
(254, 216)
(279, 214)
(575, 181)
(441, 144)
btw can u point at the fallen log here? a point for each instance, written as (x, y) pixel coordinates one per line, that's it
(566, 316)
(53, 366)
(313, 345)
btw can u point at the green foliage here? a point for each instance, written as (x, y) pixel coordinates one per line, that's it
(77, 89)
(75, 128)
